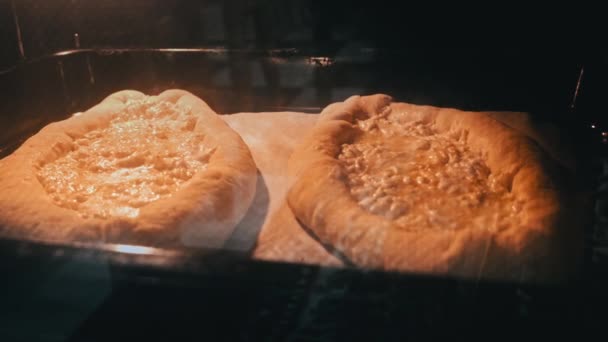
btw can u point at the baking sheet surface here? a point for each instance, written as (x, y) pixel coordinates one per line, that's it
(271, 137)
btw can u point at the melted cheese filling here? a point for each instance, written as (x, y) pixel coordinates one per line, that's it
(421, 179)
(146, 153)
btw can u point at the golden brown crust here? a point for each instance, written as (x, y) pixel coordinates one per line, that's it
(531, 251)
(202, 213)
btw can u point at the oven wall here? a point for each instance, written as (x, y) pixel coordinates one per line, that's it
(49, 26)
(9, 54)
(536, 62)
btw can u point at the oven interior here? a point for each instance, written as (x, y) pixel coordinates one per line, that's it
(82, 292)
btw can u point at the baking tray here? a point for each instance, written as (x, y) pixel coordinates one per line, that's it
(228, 294)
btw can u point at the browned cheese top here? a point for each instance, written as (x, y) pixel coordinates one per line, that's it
(145, 153)
(422, 179)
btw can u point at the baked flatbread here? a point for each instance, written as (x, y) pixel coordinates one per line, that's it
(161, 170)
(430, 190)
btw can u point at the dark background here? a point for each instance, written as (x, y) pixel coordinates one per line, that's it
(502, 28)
(458, 42)
(541, 49)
